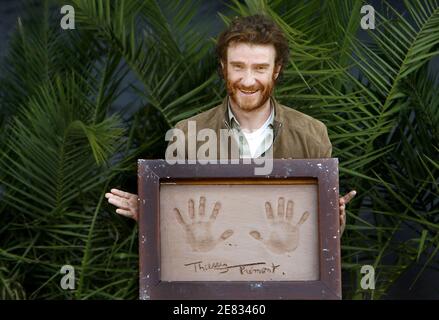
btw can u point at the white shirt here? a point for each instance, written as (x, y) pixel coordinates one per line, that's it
(256, 142)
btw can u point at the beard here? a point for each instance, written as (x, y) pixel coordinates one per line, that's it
(253, 101)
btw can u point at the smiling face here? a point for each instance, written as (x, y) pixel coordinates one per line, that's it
(250, 74)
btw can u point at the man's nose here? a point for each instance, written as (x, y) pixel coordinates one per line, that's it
(248, 80)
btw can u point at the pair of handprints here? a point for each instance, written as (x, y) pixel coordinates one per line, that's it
(283, 235)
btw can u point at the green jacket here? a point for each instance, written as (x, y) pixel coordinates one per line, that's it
(296, 135)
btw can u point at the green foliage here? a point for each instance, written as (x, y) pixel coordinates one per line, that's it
(62, 144)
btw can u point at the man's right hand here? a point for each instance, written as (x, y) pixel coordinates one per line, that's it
(125, 202)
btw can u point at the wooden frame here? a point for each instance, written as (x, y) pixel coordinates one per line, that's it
(322, 172)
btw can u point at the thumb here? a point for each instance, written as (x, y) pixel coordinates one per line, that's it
(226, 234)
(255, 234)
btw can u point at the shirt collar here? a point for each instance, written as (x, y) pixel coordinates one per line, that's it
(234, 122)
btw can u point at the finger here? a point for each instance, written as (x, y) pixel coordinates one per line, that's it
(226, 234)
(215, 211)
(342, 220)
(289, 214)
(191, 209)
(281, 207)
(349, 196)
(342, 214)
(304, 217)
(255, 234)
(125, 213)
(342, 210)
(128, 214)
(202, 208)
(342, 224)
(179, 217)
(269, 211)
(121, 203)
(122, 194)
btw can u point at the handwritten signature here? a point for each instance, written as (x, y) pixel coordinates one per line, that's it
(247, 268)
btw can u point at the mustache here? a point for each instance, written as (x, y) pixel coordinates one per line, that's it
(248, 89)
(253, 88)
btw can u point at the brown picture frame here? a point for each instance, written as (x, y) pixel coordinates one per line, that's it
(151, 173)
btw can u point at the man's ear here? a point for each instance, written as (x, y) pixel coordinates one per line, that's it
(223, 69)
(277, 70)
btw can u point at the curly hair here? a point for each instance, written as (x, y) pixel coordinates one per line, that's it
(255, 29)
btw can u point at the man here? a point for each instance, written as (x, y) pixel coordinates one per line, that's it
(252, 53)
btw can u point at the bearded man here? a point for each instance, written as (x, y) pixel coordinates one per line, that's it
(252, 53)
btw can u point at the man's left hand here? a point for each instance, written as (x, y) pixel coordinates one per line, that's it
(342, 202)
